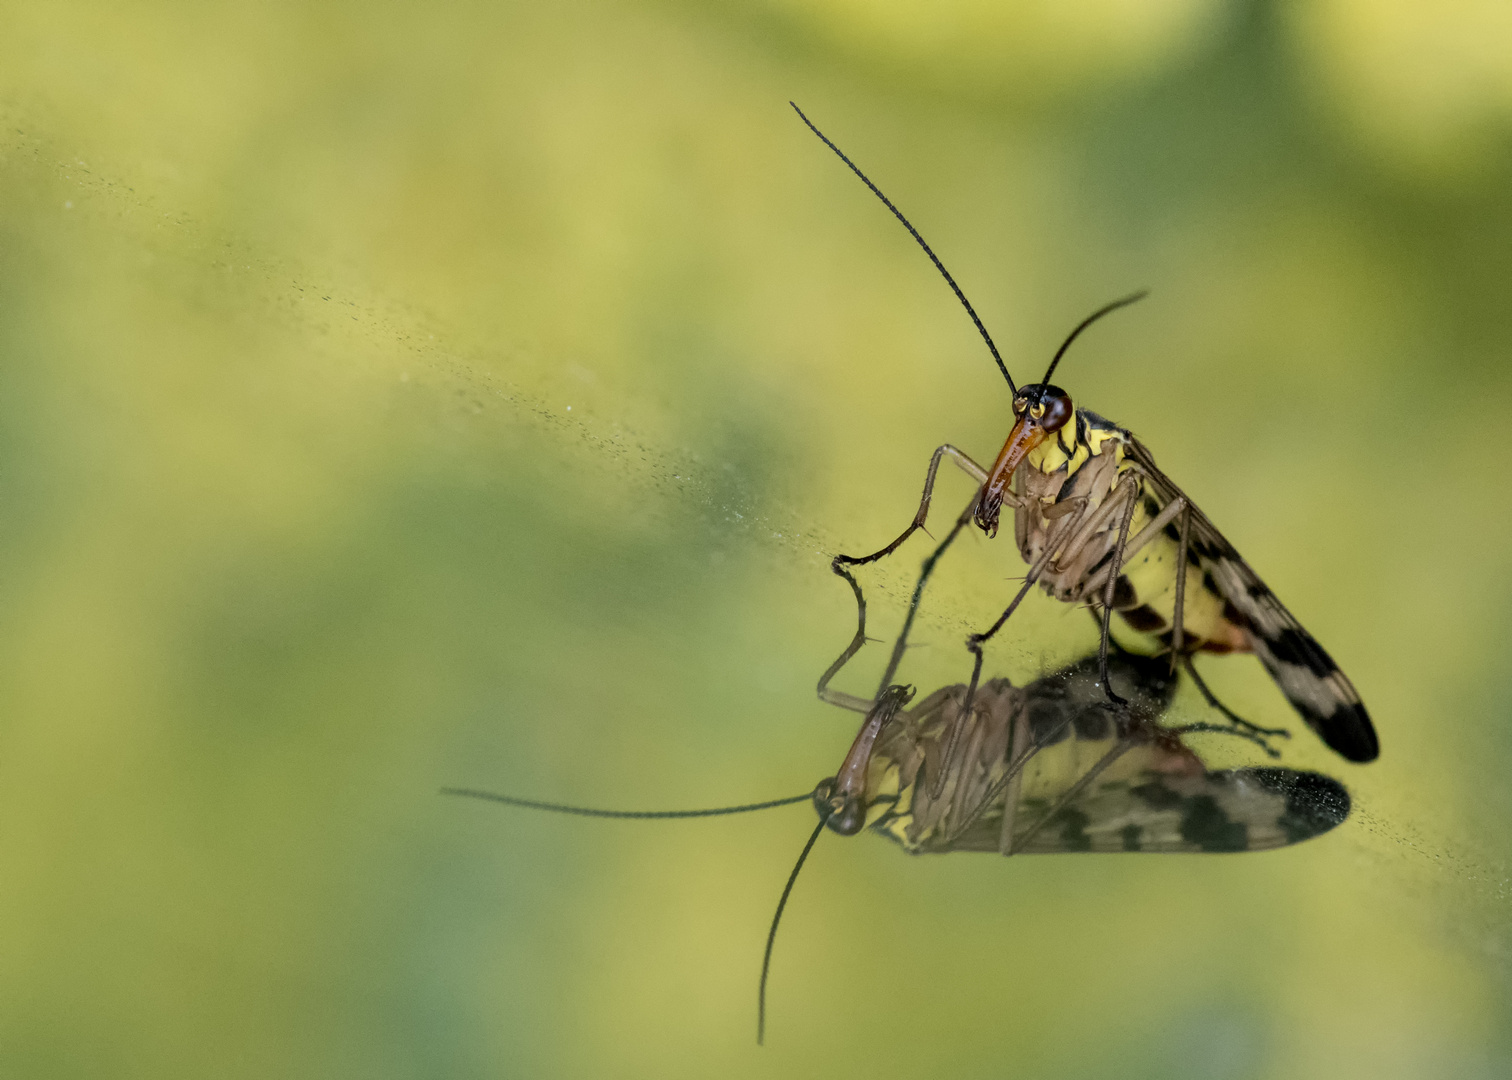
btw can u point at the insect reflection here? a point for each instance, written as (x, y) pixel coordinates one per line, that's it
(1050, 767)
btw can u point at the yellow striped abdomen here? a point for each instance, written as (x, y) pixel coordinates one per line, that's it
(1146, 593)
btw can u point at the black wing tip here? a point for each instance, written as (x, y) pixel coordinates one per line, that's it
(1349, 733)
(1314, 803)
(1347, 730)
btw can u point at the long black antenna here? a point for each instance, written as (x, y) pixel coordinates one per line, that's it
(1088, 321)
(585, 811)
(915, 234)
(766, 961)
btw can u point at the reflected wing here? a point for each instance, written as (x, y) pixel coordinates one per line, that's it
(1306, 674)
(1156, 796)
(1093, 777)
(1231, 810)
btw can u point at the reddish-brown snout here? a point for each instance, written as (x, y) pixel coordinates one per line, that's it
(841, 799)
(1041, 411)
(1027, 433)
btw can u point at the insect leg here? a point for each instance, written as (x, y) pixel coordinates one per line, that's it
(918, 594)
(969, 467)
(1018, 748)
(839, 697)
(975, 641)
(1220, 729)
(1107, 606)
(1241, 725)
(937, 785)
(1113, 643)
(1019, 757)
(1097, 521)
(838, 565)
(1114, 753)
(1135, 544)
(1178, 611)
(961, 767)
(1123, 553)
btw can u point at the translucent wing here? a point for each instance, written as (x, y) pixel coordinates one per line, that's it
(1147, 802)
(1306, 674)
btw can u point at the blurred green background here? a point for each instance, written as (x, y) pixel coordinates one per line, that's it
(395, 396)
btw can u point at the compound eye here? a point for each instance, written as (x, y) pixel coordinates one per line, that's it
(1057, 409)
(847, 816)
(822, 795)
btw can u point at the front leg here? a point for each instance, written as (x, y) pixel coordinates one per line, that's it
(966, 465)
(859, 639)
(839, 697)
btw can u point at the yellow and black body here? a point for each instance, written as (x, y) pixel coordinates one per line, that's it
(1099, 524)
(1087, 492)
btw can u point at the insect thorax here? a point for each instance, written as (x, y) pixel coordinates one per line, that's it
(941, 779)
(1089, 464)
(911, 755)
(1083, 461)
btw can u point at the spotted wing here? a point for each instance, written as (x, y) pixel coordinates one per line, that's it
(1155, 796)
(1230, 810)
(1306, 674)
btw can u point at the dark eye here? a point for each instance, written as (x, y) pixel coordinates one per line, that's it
(822, 795)
(1057, 410)
(848, 817)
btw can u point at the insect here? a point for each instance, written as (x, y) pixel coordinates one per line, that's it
(1100, 524)
(1055, 767)
(1050, 767)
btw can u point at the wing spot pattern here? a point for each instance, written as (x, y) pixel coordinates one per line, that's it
(1204, 823)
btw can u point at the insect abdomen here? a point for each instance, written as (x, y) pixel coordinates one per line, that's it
(1145, 594)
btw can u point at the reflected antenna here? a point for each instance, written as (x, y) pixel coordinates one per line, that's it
(588, 811)
(915, 234)
(766, 961)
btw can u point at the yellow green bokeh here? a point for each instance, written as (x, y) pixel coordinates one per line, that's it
(400, 396)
